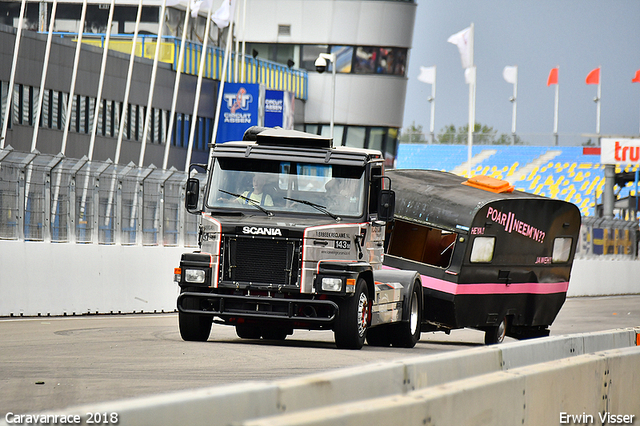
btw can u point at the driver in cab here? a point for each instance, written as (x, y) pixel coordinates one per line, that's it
(257, 194)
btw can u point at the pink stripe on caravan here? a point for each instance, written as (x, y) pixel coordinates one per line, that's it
(491, 288)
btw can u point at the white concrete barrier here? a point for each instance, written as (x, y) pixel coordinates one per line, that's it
(65, 279)
(502, 384)
(604, 276)
(590, 386)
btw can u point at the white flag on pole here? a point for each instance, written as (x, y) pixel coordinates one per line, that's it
(470, 75)
(224, 14)
(196, 5)
(427, 75)
(461, 39)
(510, 74)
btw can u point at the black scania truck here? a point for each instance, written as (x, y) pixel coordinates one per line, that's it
(297, 234)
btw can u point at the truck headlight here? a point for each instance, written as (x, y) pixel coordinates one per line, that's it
(332, 284)
(194, 276)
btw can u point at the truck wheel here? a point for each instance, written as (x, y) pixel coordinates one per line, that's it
(194, 328)
(353, 318)
(495, 335)
(247, 331)
(407, 334)
(379, 336)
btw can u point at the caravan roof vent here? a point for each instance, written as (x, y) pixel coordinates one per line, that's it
(489, 184)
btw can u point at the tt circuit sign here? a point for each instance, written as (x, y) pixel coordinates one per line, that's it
(620, 151)
(239, 111)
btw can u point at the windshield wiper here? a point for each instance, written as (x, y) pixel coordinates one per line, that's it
(318, 207)
(252, 201)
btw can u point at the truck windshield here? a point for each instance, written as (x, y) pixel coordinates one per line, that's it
(287, 186)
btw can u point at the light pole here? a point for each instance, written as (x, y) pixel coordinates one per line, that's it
(321, 66)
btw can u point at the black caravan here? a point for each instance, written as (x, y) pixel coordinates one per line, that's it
(490, 258)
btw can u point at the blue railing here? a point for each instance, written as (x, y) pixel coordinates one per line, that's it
(272, 74)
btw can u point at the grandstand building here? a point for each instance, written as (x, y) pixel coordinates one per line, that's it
(370, 38)
(371, 41)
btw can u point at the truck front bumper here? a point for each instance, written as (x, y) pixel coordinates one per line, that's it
(310, 312)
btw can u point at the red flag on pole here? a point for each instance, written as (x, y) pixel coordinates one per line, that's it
(594, 76)
(553, 77)
(636, 79)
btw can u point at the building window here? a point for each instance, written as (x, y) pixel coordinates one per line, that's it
(344, 58)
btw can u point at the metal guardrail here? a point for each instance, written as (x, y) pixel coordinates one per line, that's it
(53, 198)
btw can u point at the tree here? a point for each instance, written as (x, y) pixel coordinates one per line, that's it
(413, 134)
(482, 135)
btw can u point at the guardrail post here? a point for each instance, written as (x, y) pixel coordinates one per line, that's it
(161, 206)
(143, 177)
(95, 232)
(72, 198)
(46, 225)
(23, 193)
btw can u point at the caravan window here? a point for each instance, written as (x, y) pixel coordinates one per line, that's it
(422, 244)
(561, 250)
(482, 250)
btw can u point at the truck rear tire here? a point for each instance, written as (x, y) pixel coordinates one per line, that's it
(194, 328)
(353, 318)
(406, 334)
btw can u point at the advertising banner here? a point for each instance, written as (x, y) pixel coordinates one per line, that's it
(278, 109)
(239, 111)
(620, 151)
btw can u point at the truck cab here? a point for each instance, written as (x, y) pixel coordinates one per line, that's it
(291, 236)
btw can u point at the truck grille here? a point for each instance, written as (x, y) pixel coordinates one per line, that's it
(261, 260)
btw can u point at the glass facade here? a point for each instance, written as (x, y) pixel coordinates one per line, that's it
(350, 59)
(383, 139)
(54, 114)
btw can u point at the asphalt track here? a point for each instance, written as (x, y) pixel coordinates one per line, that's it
(52, 363)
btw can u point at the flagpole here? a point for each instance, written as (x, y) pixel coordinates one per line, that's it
(598, 103)
(196, 102)
(103, 68)
(176, 86)
(74, 76)
(432, 101)
(244, 20)
(472, 101)
(14, 63)
(45, 66)
(227, 53)
(514, 99)
(555, 113)
(152, 84)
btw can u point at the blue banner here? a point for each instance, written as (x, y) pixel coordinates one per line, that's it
(278, 109)
(273, 108)
(238, 112)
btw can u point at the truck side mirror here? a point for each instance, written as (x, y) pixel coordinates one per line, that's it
(192, 194)
(386, 205)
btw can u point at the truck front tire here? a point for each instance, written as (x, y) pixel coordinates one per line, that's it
(353, 318)
(194, 328)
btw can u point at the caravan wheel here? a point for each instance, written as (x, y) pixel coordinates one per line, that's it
(495, 335)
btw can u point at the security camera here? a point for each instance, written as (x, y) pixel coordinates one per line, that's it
(321, 64)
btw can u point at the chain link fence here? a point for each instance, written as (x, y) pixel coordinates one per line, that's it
(608, 237)
(64, 200)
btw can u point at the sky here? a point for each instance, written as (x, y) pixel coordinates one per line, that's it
(536, 35)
